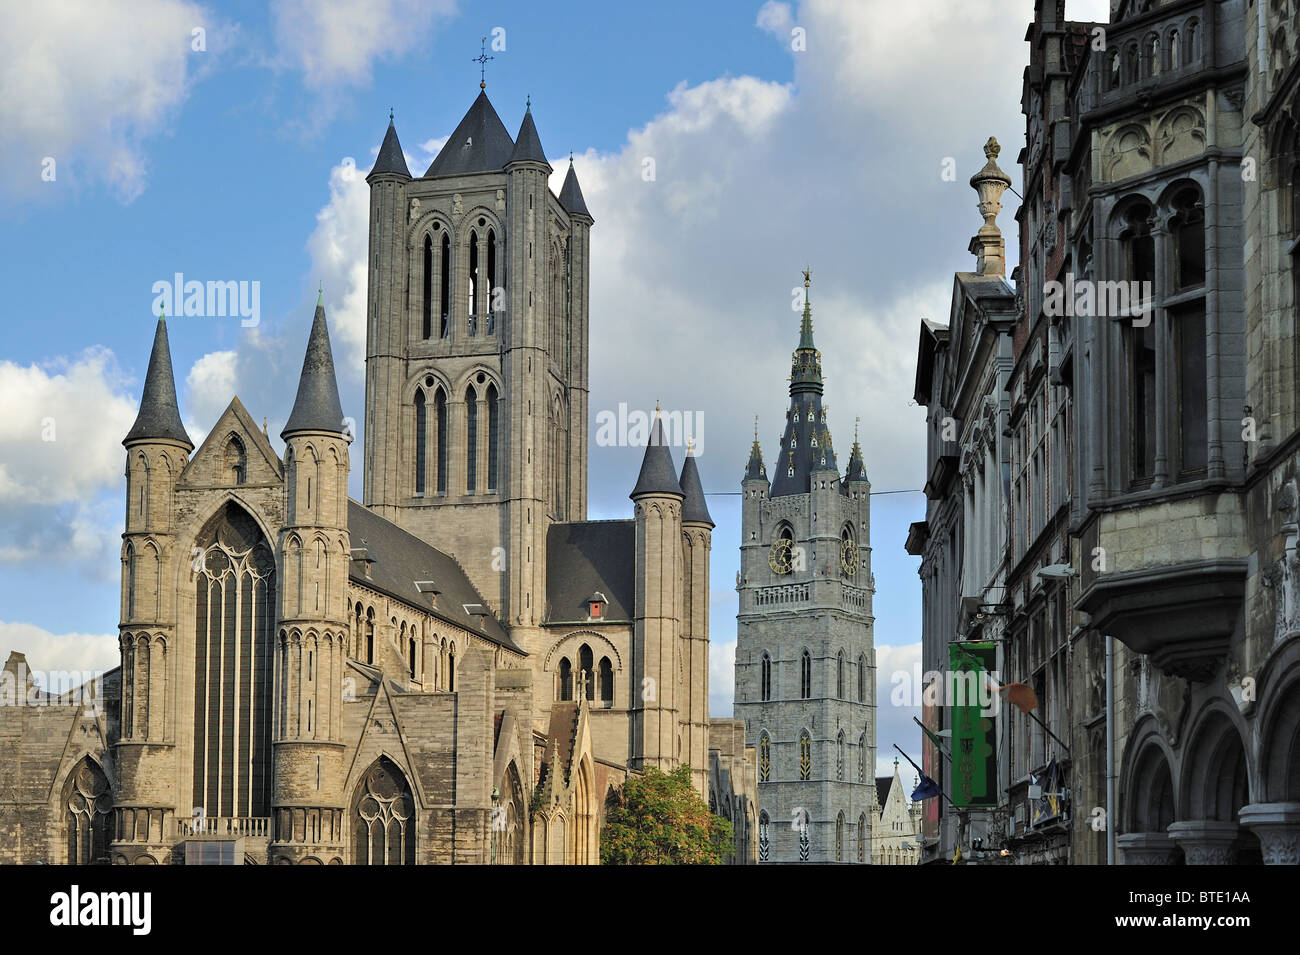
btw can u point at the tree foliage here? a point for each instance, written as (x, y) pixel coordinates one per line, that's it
(659, 819)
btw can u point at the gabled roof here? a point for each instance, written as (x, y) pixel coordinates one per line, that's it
(658, 474)
(398, 559)
(571, 194)
(528, 145)
(480, 143)
(159, 416)
(588, 557)
(390, 158)
(317, 407)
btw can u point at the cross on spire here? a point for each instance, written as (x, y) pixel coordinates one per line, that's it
(481, 60)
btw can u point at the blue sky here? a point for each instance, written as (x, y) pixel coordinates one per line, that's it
(245, 160)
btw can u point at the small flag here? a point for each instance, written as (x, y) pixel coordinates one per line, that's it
(1019, 695)
(936, 740)
(927, 788)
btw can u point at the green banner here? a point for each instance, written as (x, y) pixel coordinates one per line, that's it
(974, 745)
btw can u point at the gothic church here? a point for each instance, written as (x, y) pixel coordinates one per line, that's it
(458, 668)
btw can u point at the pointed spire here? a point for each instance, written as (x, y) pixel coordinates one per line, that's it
(571, 194)
(694, 508)
(528, 145)
(755, 471)
(806, 367)
(390, 160)
(857, 467)
(658, 474)
(159, 416)
(317, 406)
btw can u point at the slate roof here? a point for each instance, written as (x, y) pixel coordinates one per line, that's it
(571, 195)
(317, 408)
(882, 789)
(658, 473)
(479, 144)
(390, 158)
(583, 557)
(694, 507)
(528, 145)
(399, 559)
(159, 416)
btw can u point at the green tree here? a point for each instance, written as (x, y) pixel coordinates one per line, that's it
(659, 819)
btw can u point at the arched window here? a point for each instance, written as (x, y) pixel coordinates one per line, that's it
(1131, 63)
(765, 677)
(862, 678)
(471, 439)
(440, 422)
(130, 575)
(862, 837)
(1175, 50)
(236, 461)
(606, 682)
(839, 837)
(411, 649)
(585, 674)
(764, 757)
(451, 668)
(1115, 73)
(805, 676)
(1151, 55)
(862, 758)
(764, 836)
(805, 755)
(566, 679)
(88, 807)
(383, 813)
(370, 635)
(427, 325)
(839, 676)
(1193, 41)
(473, 283)
(421, 441)
(444, 295)
(493, 436)
(491, 280)
(235, 600)
(839, 756)
(1188, 228)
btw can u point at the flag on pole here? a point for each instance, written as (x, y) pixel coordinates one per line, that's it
(1019, 695)
(927, 788)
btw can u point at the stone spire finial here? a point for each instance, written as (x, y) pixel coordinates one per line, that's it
(989, 183)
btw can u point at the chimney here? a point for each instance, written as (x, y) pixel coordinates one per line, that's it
(987, 245)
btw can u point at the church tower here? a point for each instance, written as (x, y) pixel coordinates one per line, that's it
(476, 354)
(805, 660)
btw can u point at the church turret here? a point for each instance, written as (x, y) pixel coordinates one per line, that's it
(697, 542)
(803, 447)
(157, 450)
(311, 639)
(390, 161)
(657, 738)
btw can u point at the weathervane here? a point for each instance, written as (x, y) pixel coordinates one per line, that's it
(481, 60)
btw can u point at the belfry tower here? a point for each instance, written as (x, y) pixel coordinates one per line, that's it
(805, 660)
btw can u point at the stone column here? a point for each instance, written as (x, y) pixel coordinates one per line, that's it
(1206, 841)
(1146, 848)
(1277, 824)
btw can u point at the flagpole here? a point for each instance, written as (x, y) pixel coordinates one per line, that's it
(922, 772)
(1059, 743)
(938, 746)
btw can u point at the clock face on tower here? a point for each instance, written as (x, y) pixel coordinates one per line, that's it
(849, 557)
(779, 558)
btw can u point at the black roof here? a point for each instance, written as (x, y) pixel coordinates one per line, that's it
(479, 144)
(658, 474)
(159, 416)
(882, 789)
(317, 408)
(528, 146)
(585, 557)
(571, 195)
(390, 158)
(397, 559)
(694, 507)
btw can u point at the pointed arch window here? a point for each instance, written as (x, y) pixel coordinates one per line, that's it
(440, 423)
(839, 756)
(384, 817)
(566, 680)
(421, 441)
(474, 289)
(88, 805)
(764, 836)
(471, 439)
(862, 678)
(451, 668)
(426, 326)
(840, 674)
(805, 676)
(805, 755)
(411, 653)
(491, 280)
(764, 757)
(584, 666)
(839, 837)
(370, 635)
(862, 758)
(606, 682)
(765, 677)
(493, 436)
(444, 293)
(862, 837)
(236, 461)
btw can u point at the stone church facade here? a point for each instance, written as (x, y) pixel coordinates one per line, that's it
(805, 657)
(459, 669)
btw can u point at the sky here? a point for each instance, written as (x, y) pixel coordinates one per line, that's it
(230, 142)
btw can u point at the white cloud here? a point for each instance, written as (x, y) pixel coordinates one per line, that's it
(338, 254)
(86, 83)
(776, 19)
(335, 43)
(91, 654)
(210, 385)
